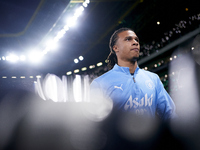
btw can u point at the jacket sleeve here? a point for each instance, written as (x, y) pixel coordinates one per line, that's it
(102, 106)
(97, 92)
(165, 105)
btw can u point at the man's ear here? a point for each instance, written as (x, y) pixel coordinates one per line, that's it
(115, 48)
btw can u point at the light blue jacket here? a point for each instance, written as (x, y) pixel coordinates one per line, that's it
(142, 92)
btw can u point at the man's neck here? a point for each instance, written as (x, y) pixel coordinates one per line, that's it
(132, 65)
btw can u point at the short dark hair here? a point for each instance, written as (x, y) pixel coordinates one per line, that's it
(112, 58)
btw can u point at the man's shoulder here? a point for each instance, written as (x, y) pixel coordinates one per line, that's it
(106, 76)
(149, 73)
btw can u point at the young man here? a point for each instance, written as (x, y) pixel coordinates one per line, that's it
(129, 87)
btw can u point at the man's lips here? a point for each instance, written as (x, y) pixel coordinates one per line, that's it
(135, 49)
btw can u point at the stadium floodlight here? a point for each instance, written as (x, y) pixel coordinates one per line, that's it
(35, 56)
(85, 4)
(38, 76)
(84, 69)
(99, 64)
(79, 11)
(7, 58)
(52, 44)
(80, 58)
(12, 58)
(76, 60)
(60, 34)
(76, 71)
(69, 73)
(22, 58)
(71, 21)
(87, 1)
(66, 28)
(92, 66)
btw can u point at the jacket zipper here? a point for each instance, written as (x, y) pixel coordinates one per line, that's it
(134, 80)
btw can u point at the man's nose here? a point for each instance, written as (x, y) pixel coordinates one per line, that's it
(135, 42)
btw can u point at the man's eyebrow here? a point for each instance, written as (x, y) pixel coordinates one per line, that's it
(128, 37)
(135, 37)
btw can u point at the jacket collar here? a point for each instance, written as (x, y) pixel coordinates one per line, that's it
(125, 69)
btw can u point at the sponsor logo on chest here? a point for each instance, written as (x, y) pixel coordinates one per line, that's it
(135, 103)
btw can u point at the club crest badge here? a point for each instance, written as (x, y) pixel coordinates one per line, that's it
(150, 84)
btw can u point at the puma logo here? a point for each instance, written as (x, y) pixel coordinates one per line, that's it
(117, 87)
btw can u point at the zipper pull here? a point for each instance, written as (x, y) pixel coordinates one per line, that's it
(134, 79)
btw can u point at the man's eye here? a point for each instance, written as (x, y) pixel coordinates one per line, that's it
(137, 39)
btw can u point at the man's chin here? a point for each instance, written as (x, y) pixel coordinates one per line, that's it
(134, 59)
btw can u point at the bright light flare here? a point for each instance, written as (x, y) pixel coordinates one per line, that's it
(86, 87)
(84, 69)
(53, 88)
(77, 88)
(87, 1)
(71, 21)
(52, 44)
(35, 56)
(196, 48)
(12, 58)
(186, 99)
(66, 28)
(7, 58)
(85, 4)
(81, 58)
(76, 60)
(92, 66)
(79, 11)
(137, 128)
(69, 73)
(38, 76)
(99, 64)
(60, 34)
(187, 93)
(22, 58)
(101, 106)
(76, 71)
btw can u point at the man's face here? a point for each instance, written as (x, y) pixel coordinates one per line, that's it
(127, 47)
